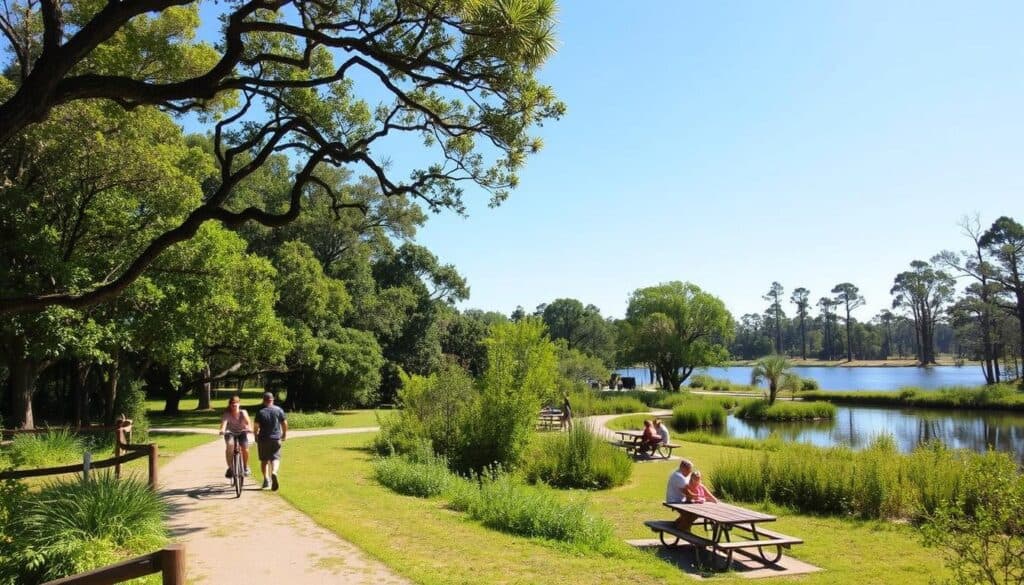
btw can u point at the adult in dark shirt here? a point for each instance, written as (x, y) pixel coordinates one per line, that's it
(271, 431)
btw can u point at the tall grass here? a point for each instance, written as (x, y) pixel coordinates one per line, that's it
(73, 526)
(311, 420)
(423, 479)
(588, 402)
(760, 410)
(877, 482)
(698, 414)
(56, 447)
(505, 504)
(996, 397)
(577, 459)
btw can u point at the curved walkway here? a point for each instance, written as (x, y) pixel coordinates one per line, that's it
(260, 539)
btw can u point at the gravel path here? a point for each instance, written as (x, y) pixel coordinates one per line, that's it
(258, 539)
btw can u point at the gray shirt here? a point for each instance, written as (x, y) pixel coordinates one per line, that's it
(677, 483)
(270, 418)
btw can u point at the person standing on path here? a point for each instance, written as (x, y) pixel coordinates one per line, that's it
(271, 431)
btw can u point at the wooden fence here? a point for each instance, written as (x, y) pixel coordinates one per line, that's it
(170, 562)
(124, 452)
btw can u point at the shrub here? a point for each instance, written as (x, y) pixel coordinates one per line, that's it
(73, 526)
(698, 414)
(131, 402)
(980, 532)
(588, 402)
(701, 381)
(410, 477)
(761, 410)
(507, 505)
(577, 459)
(998, 396)
(56, 447)
(807, 384)
(311, 420)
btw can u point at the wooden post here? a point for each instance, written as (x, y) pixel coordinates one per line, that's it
(86, 464)
(118, 439)
(152, 467)
(172, 564)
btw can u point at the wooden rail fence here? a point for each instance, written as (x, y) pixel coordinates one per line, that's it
(124, 452)
(170, 562)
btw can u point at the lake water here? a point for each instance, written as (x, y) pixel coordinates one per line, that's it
(856, 426)
(840, 378)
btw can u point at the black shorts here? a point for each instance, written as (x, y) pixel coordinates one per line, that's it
(270, 449)
(243, 438)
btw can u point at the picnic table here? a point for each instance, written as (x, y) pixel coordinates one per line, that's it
(632, 442)
(549, 419)
(721, 520)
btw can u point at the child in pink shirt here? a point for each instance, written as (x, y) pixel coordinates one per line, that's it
(696, 493)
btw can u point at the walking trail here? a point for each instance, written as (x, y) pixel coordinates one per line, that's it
(260, 538)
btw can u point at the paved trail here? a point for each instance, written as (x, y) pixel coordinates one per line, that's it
(259, 539)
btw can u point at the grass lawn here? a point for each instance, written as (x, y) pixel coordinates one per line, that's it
(430, 544)
(189, 417)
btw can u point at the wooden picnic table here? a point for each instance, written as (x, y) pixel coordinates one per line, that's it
(721, 520)
(632, 442)
(549, 419)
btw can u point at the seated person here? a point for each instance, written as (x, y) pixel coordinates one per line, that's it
(696, 492)
(649, 436)
(675, 492)
(662, 431)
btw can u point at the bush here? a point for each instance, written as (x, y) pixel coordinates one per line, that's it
(507, 505)
(588, 402)
(981, 532)
(760, 410)
(49, 449)
(73, 526)
(997, 397)
(698, 414)
(807, 384)
(311, 420)
(407, 476)
(131, 402)
(577, 459)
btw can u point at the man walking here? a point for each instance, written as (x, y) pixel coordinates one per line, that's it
(271, 430)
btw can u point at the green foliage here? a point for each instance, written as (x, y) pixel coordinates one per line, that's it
(877, 482)
(311, 420)
(698, 414)
(74, 526)
(505, 504)
(576, 367)
(707, 382)
(807, 384)
(49, 449)
(761, 410)
(131, 402)
(582, 330)
(997, 397)
(776, 370)
(577, 459)
(676, 327)
(981, 531)
(589, 402)
(423, 478)
(520, 376)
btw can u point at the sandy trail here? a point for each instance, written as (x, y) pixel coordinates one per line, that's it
(260, 538)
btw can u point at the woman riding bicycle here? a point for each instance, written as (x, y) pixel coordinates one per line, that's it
(234, 425)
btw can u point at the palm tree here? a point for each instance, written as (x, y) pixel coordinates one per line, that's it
(776, 369)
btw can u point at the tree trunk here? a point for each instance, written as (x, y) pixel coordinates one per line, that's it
(80, 391)
(23, 373)
(110, 380)
(205, 390)
(849, 335)
(803, 339)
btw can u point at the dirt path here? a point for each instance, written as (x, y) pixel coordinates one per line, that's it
(259, 539)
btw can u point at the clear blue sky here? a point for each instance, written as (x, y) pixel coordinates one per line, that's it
(731, 144)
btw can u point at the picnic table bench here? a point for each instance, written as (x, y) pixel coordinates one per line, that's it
(549, 419)
(632, 442)
(721, 520)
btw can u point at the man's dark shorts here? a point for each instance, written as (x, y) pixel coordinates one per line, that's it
(270, 449)
(243, 439)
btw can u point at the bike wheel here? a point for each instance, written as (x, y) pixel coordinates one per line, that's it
(239, 473)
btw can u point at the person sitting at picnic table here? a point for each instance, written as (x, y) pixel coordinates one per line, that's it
(696, 492)
(662, 431)
(675, 492)
(650, 437)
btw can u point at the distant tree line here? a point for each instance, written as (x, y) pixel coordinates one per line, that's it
(979, 320)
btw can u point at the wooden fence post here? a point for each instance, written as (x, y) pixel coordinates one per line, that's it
(86, 464)
(152, 467)
(172, 563)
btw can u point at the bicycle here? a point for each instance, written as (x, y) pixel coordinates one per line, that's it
(237, 464)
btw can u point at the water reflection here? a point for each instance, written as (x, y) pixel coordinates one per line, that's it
(841, 378)
(857, 427)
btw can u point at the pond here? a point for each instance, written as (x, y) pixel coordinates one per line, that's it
(858, 378)
(857, 426)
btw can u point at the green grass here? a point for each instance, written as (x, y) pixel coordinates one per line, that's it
(761, 410)
(429, 543)
(997, 397)
(698, 414)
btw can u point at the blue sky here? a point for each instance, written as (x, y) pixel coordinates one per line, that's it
(731, 144)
